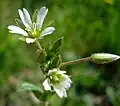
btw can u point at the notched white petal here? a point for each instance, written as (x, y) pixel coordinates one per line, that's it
(30, 40)
(22, 17)
(64, 93)
(61, 72)
(17, 30)
(27, 17)
(47, 31)
(60, 92)
(46, 85)
(51, 71)
(41, 16)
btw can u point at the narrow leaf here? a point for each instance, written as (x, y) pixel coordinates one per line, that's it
(57, 46)
(25, 86)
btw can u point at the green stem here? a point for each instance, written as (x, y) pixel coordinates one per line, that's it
(45, 103)
(76, 61)
(38, 44)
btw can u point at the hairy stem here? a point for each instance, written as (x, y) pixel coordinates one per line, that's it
(45, 103)
(76, 61)
(38, 45)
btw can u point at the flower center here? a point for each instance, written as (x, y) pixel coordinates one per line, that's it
(35, 33)
(55, 78)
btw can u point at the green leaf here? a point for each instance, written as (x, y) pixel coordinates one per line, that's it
(25, 86)
(57, 46)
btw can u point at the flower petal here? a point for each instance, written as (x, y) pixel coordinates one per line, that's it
(61, 72)
(27, 17)
(23, 19)
(60, 91)
(46, 85)
(17, 30)
(47, 31)
(41, 16)
(30, 40)
(64, 93)
(65, 83)
(51, 71)
(66, 78)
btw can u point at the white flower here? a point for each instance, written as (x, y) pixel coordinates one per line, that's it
(58, 81)
(32, 30)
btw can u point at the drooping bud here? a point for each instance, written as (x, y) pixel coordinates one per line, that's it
(102, 58)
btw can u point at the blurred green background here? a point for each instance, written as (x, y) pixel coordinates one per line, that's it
(88, 26)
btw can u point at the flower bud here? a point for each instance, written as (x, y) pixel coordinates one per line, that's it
(102, 58)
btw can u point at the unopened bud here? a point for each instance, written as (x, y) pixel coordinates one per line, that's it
(102, 58)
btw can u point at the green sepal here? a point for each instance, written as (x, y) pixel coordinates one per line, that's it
(19, 23)
(49, 24)
(34, 16)
(22, 39)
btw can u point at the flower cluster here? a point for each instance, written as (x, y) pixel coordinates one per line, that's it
(56, 80)
(32, 30)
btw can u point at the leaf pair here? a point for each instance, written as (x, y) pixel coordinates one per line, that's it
(52, 58)
(54, 55)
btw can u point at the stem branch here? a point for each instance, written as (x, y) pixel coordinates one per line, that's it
(76, 61)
